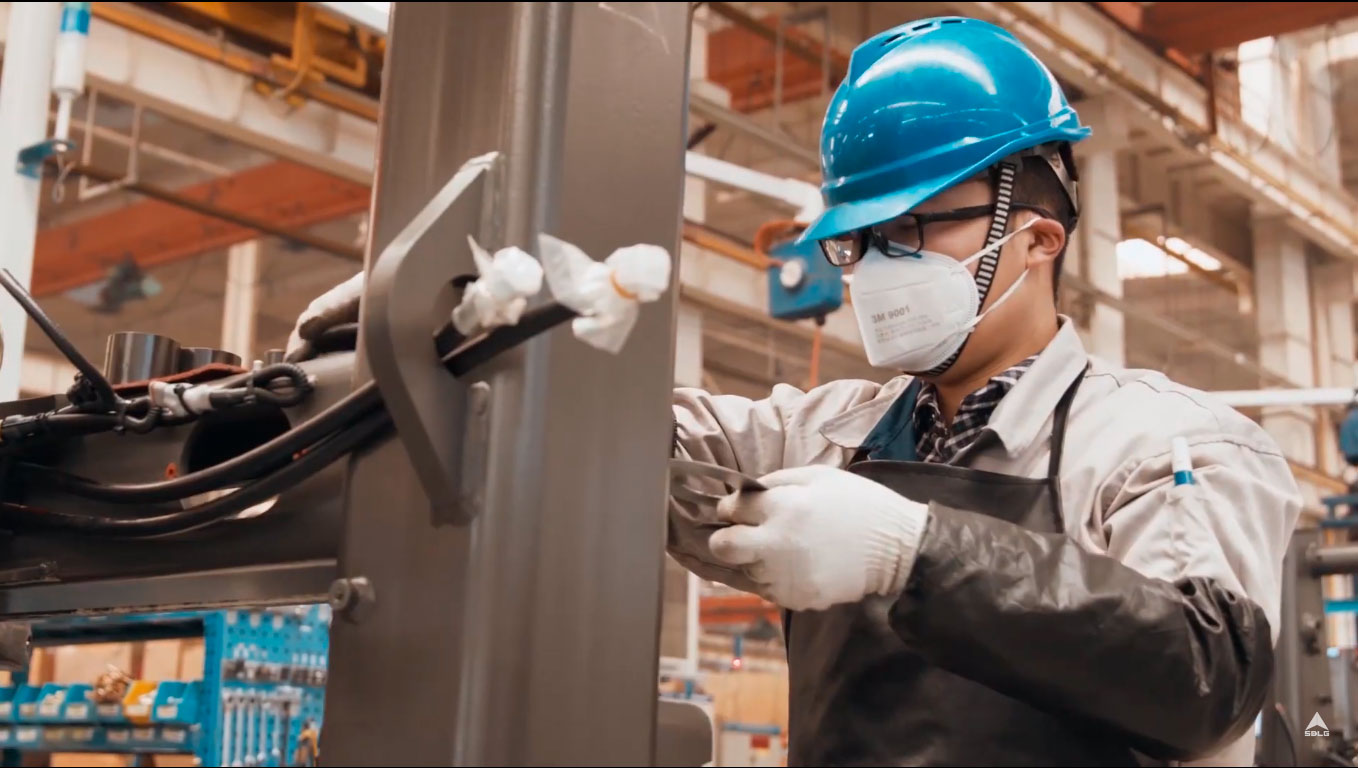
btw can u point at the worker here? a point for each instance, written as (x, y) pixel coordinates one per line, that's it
(989, 560)
(998, 557)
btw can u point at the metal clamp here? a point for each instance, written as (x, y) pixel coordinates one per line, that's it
(427, 404)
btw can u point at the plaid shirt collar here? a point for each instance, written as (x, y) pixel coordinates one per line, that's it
(935, 441)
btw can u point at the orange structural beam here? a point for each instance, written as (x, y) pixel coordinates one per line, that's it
(1201, 27)
(742, 58)
(740, 609)
(153, 232)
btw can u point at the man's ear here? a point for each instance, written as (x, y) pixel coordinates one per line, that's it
(1047, 241)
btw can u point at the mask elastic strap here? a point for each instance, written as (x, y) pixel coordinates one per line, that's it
(1008, 292)
(994, 248)
(990, 259)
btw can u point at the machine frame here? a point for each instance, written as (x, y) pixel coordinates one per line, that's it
(510, 614)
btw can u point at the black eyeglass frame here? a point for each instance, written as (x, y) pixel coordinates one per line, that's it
(872, 236)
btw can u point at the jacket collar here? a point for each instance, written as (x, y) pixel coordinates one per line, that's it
(1026, 408)
(1018, 418)
(850, 428)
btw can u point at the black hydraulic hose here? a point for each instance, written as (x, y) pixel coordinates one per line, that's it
(260, 459)
(277, 452)
(290, 371)
(184, 521)
(138, 415)
(95, 379)
(16, 431)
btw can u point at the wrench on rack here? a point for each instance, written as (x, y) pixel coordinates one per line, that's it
(238, 753)
(265, 719)
(284, 748)
(248, 754)
(228, 734)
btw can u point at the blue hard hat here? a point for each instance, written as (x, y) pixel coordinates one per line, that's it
(927, 105)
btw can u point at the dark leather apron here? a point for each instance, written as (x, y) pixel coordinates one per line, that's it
(860, 697)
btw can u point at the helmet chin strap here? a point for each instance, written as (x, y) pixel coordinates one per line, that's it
(990, 261)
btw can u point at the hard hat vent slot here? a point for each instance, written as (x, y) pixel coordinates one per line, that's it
(892, 39)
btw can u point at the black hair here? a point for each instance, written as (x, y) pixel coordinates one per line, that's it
(1036, 184)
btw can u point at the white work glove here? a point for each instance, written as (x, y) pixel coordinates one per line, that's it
(337, 306)
(821, 536)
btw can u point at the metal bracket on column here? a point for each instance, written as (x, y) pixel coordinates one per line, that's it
(31, 158)
(427, 405)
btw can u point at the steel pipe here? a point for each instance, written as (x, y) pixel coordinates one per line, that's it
(1338, 559)
(133, 356)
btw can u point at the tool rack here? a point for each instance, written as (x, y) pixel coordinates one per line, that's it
(258, 704)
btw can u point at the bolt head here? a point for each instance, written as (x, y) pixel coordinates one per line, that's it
(341, 594)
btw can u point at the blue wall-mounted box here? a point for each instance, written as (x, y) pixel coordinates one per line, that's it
(804, 285)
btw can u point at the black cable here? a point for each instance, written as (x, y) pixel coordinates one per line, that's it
(139, 415)
(263, 458)
(264, 376)
(14, 431)
(275, 453)
(184, 521)
(100, 387)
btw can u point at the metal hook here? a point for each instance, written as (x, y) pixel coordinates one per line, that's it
(59, 186)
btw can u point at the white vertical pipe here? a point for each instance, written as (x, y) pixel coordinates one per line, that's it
(68, 70)
(238, 305)
(24, 92)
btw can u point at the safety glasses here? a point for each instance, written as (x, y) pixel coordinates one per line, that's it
(904, 235)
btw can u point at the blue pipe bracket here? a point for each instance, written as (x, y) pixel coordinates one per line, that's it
(32, 157)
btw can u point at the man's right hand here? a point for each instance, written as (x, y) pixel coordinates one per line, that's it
(337, 306)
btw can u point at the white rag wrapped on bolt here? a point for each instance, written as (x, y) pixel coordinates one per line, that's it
(608, 294)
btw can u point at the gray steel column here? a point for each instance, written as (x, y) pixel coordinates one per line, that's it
(1301, 677)
(528, 636)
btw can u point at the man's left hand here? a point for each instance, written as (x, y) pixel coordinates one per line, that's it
(337, 306)
(821, 536)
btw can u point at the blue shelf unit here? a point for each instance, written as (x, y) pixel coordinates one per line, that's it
(259, 702)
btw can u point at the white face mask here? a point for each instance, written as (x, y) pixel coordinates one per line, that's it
(914, 312)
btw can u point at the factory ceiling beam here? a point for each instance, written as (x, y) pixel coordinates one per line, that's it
(1132, 17)
(269, 75)
(808, 50)
(299, 38)
(741, 124)
(1202, 27)
(1091, 50)
(276, 196)
(743, 59)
